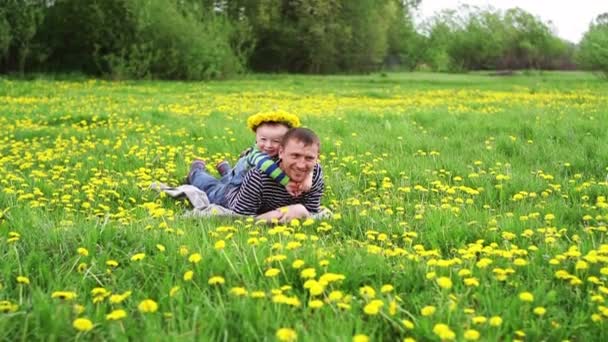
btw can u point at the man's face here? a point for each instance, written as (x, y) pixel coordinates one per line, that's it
(298, 160)
(268, 138)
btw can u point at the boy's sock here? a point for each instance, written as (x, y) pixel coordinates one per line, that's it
(223, 167)
(197, 164)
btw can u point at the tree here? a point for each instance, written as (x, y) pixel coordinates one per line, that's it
(593, 49)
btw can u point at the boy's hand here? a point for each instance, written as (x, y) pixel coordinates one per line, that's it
(293, 189)
(307, 183)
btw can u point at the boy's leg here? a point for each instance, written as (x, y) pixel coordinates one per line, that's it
(214, 189)
(238, 172)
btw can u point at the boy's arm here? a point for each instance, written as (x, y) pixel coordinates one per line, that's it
(307, 184)
(312, 199)
(265, 164)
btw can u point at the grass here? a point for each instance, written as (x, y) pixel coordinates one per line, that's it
(495, 183)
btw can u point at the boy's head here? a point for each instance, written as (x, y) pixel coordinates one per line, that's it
(268, 137)
(269, 128)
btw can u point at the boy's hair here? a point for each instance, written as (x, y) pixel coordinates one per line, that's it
(279, 117)
(304, 135)
(272, 123)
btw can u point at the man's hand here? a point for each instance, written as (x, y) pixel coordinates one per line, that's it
(270, 215)
(307, 183)
(293, 189)
(294, 211)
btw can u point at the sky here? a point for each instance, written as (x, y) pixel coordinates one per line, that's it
(570, 18)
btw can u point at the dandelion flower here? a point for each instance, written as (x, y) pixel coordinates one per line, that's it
(286, 335)
(138, 257)
(23, 280)
(195, 258)
(471, 335)
(219, 245)
(444, 282)
(526, 297)
(360, 338)
(539, 311)
(82, 324)
(65, 295)
(428, 310)
(188, 275)
(495, 321)
(272, 272)
(216, 280)
(82, 251)
(147, 306)
(116, 315)
(387, 288)
(444, 332)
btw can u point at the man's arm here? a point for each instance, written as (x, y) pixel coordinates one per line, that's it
(312, 199)
(248, 198)
(264, 163)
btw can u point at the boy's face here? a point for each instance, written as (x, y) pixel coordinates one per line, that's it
(268, 138)
(298, 159)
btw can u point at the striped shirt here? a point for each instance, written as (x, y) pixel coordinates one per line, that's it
(259, 194)
(260, 160)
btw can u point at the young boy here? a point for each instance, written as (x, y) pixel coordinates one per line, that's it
(269, 129)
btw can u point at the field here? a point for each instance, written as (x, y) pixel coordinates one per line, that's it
(465, 207)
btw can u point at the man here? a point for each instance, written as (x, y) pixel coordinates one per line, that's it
(259, 195)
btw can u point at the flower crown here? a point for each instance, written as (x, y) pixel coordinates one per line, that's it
(279, 116)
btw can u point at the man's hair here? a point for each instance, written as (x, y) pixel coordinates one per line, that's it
(304, 135)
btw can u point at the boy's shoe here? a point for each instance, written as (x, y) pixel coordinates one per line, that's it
(223, 167)
(197, 164)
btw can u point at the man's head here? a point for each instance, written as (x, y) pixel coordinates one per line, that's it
(268, 137)
(299, 151)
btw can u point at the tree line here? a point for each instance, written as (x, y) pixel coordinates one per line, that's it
(204, 39)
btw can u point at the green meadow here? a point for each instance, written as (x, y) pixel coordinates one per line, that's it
(466, 207)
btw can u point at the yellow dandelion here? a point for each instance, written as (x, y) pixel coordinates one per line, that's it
(116, 315)
(539, 311)
(147, 306)
(444, 282)
(471, 335)
(82, 251)
(138, 257)
(23, 280)
(360, 338)
(272, 272)
(188, 275)
(428, 310)
(65, 295)
(174, 290)
(195, 258)
(495, 321)
(308, 273)
(444, 332)
(286, 335)
(387, 288)
(297, 263)
(526, 297)
(216, 280)
(219, 245)
(82, 324)
(112, 263)
(407, 324)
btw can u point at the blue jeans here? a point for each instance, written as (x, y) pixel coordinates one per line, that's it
(236, 175)
(215, 189)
